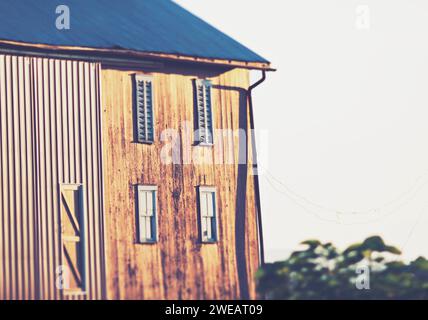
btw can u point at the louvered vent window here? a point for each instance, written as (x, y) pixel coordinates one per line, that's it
(144, 109)
(204, 121)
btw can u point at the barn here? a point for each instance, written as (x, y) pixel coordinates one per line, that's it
(126, 155)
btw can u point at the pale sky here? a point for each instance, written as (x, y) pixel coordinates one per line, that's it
(346, 115)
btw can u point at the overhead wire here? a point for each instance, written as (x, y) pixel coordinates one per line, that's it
(340, 213)
(411, 192)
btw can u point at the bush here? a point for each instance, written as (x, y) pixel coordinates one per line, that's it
(322, 272)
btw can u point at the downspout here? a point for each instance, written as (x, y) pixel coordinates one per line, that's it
(255, 169)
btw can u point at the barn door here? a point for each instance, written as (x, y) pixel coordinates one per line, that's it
(73, 239)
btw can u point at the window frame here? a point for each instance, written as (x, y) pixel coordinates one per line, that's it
(79, 188)
(212, 190)
(154, 224)
(145, 78)
(204, 83)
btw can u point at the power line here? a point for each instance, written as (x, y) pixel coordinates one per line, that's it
(413, 228)
(411, 192)
(339, 216)
(338, 213)
(297, 203)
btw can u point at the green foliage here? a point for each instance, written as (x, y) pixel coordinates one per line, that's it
(323, 272)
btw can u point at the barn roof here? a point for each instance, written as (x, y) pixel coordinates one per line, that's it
(151, 26)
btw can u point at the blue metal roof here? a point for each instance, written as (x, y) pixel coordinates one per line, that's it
(156, 26)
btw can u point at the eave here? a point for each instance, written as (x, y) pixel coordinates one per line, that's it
(121, 56)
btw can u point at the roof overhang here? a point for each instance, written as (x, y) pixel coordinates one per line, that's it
(123, 57)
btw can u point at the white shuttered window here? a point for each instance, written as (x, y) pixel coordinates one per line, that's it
(204, 120)
(146, 214)
(144, 109)
(208, 214)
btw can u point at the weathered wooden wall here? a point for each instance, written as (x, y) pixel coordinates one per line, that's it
(50, 134)
(178, 266)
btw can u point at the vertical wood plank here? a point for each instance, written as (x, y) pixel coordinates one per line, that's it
(178, 266)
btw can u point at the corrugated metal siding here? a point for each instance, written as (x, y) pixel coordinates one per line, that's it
(50, 134)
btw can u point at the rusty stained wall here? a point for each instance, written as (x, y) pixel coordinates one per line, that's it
(50, 134)
(178, 266)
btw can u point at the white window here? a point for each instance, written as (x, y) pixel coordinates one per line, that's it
(204, 116)
(208, 214)
(144, 122)
(146, 214)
